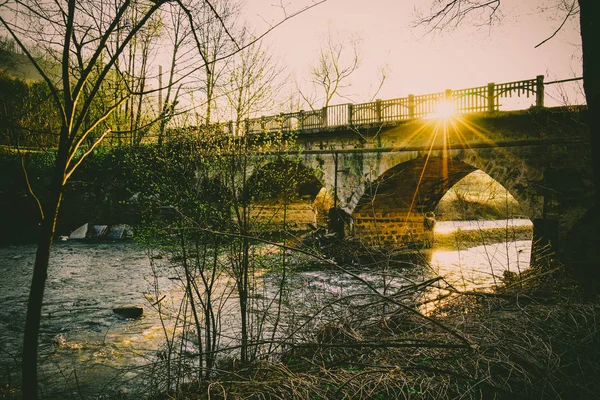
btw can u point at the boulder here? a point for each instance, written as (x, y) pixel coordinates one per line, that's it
(99, 231)
(133, 312)
(80, 233)
(116, 231)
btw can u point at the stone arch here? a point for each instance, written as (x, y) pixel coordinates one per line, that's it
(394, 208)
(284, 191)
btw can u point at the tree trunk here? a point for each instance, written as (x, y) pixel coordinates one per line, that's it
(586, 254)
(590, 31)
(38, 282)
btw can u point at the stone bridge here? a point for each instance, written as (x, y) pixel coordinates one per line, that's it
(389, 175)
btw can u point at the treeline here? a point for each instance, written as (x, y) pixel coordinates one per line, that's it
(130, 184)
(97, 194)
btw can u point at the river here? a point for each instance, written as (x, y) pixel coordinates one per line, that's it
(85, 348)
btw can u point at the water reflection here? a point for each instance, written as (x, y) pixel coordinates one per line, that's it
(79, 332)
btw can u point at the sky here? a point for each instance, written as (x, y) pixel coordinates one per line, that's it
(420, 62)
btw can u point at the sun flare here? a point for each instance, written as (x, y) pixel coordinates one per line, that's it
(445, 109)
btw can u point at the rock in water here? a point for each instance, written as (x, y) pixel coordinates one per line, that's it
(129, 311)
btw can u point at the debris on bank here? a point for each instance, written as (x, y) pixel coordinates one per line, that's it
(91, 231)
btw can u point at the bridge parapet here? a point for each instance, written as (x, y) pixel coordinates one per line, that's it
(380, 112)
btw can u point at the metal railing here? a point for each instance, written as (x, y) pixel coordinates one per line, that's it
(471, 100)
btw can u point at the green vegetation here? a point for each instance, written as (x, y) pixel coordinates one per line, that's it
(462, 239)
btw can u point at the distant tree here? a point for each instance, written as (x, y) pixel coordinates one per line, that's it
(213, 39)
(6, 47)
(179, 35)
(27, 116)
(136, 72)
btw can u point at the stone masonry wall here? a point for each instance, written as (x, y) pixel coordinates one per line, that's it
(393, 229)
(298, 214)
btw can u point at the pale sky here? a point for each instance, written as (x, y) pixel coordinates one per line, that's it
(423, 63)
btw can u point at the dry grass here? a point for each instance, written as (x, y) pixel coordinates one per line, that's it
(515, 347)
(531, 339)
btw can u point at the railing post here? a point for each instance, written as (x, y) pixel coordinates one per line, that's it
(247, 126)
(491, 98)
(378, 110)
(411, 106)
(262, 123)
(324, 117)
(230, 127)
(539, 90)
(350, 107)
(301, 120)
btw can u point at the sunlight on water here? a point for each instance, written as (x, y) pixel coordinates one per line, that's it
(480, 267)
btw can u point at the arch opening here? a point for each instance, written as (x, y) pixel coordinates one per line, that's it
(284, 196)
(482, 235)
(478, 196)
(401, 207)
(478, 210)
(396, 210)
(410, 206)
(283, 179)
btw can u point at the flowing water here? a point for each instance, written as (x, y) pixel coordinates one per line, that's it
(480, 267)
(79, 330)
(86, 348)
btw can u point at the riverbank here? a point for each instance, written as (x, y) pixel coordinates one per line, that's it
(461, 239)
(478, 347)
(86, 280)
(349, 332)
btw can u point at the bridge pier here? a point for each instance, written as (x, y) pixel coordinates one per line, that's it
(545, 240)
(281, 215)
(395, 229)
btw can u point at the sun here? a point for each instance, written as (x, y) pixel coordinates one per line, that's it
(445, 109)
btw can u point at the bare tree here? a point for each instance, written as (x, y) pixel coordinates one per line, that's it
(212, 33)
(138, 60)
(254, 81)
(86, 40)
(180, 39)
(337, 60)
(83, 36)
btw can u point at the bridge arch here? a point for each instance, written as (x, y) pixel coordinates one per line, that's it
(396, 208)
(285, 191)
